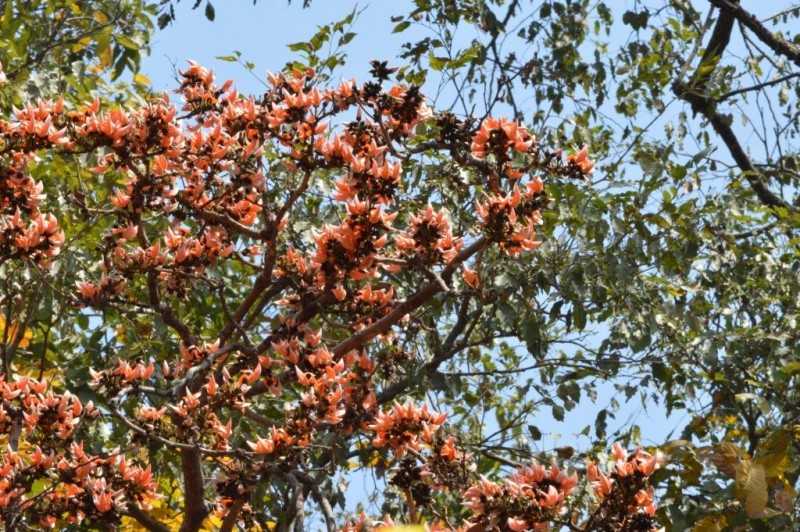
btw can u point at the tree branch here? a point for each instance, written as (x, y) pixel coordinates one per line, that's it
(759, 86)
(193, 490)
(776, 43)
(145, 519)
(695, 94)
(233, 514)
(412, 303)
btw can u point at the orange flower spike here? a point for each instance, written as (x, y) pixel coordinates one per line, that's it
(211, 386)
(339, 292)
(581, 160)
(535, 186)
(551, 498)
(262, 446)
(449, 451)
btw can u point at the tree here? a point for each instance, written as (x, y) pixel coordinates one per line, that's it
(275, 339)
(672, 272)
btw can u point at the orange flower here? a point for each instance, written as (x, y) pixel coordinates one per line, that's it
(262, 446)
(498, 135)
(470, 277)
(581, 160)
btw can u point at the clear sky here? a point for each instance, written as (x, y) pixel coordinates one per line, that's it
(261, 33)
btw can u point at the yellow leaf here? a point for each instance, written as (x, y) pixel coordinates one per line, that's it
(141, 79)
(211, 523)
(726, 458)
(81, 44)
(11, 333)
(772, 453)
(751, 487)
(106, 56)
(374, 459)
(100, 17)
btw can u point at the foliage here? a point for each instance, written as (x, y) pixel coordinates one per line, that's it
(64, 46)
(681, 258)
(671, 275)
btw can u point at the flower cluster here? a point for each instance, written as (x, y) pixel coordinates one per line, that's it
(624, 495)
(275, 440)
(527, 500)
(534, 497)
(497, 135)
(511, 220)
(125, 374)
(405, 427)
(25, 231)
(43, 454)
(581, 161)
(429, 238)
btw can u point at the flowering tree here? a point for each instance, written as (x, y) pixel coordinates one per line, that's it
(279, 259)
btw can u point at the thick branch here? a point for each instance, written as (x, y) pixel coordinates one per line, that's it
(695, 94)
(145, 519)
(444, 352)
(166, 313)
(722, 126)
(193, 489)
(232, 516)
(719, 40)
(261, 284)
(227, 222)
(748, 20)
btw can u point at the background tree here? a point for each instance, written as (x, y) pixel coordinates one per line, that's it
(680, 259)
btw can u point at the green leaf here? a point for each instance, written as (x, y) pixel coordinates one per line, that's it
(579, 317)
(210, 13)
(127, 42)
(600, 424)
(436, 63)
(401, 27)
(300, 47)
(346, 38)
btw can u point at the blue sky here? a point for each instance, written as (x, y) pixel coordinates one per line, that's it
(261, 33)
